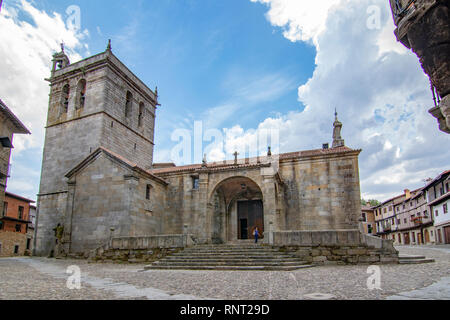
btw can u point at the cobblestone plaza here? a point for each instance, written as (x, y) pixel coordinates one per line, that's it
(42, 278)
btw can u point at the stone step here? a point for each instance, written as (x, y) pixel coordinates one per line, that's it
(254, 261)
(227, 263)
(230, 258)
(406, 257)
(229, 268)
(231, 254)
(415, 261)
(230, 251)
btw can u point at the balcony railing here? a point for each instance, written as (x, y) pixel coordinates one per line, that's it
(417, 220)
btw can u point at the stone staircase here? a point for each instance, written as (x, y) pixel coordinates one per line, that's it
(409, 259)
(230, 257)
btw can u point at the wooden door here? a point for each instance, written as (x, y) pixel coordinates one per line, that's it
(427, 236)
(406, 238)
(447, 234)
(250, 213)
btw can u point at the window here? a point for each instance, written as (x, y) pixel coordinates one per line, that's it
(28, 244)
(65, 98)
(128, 104)
(403, 207)
(1, 225)
(18, 228)
(148, 192)
(390, 208)
(141, 114)
(5, 209)
(436, 213)
(445, 208)
(81, 94)
(385, 210)
(16, 249)
(195, 183)
(446, 186)
(398, 209)
(404, 220)
(20, 213)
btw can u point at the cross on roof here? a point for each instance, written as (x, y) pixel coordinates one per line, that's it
(235, 154)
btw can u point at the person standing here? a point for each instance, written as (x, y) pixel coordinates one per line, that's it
(256, 234)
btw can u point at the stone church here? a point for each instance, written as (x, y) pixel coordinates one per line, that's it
(99, 180)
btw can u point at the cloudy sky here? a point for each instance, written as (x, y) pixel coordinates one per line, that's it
(238, 66)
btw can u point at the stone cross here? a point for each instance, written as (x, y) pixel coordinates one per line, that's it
(235, 154)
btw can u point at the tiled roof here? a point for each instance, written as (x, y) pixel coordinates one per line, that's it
(253, 162)
(15, 196)
(436, 179)
(10, 115)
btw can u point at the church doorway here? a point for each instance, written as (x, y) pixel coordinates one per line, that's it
(250, 216)
(236, 209)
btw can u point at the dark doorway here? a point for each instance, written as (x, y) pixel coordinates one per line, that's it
(252, 213)
(243, 228)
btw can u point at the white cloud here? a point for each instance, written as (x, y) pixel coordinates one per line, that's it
(26, 49)
(301, 19)
(28, 39)
(377, 85)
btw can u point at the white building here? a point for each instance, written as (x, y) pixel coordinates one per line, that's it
(438, 195)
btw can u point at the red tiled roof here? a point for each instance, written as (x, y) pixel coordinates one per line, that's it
(253, 162)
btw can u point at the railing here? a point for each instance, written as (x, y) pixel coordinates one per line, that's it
(417, 220)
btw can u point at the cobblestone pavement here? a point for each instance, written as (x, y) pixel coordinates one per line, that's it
(42, 278)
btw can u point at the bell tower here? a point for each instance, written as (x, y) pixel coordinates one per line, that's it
(96, 102)
(337, 139)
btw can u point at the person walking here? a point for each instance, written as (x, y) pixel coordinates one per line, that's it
(256, 234)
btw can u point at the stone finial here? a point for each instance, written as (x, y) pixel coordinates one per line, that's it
(337, 139)
(108, 48)
(269, 151)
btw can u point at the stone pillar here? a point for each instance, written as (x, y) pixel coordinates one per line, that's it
(131, 182)
(206, 209)
(67, 239)
(270, 206)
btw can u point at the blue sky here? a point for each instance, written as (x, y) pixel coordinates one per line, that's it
(242, 65)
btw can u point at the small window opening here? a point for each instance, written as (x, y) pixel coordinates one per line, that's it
(128, 104)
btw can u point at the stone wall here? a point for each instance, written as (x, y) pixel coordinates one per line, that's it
(8, 240)
(140, 249)
(337, 247)
(320, 193)
(109, 199)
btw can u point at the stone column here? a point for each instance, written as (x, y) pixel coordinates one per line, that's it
(131, 184)
(206, 210)
(270, 206)
(67, 239)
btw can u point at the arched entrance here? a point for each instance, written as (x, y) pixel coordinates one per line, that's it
(237, 205)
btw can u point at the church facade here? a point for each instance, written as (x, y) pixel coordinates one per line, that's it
(99, 180)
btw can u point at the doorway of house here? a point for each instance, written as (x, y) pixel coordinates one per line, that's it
(250, 215)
